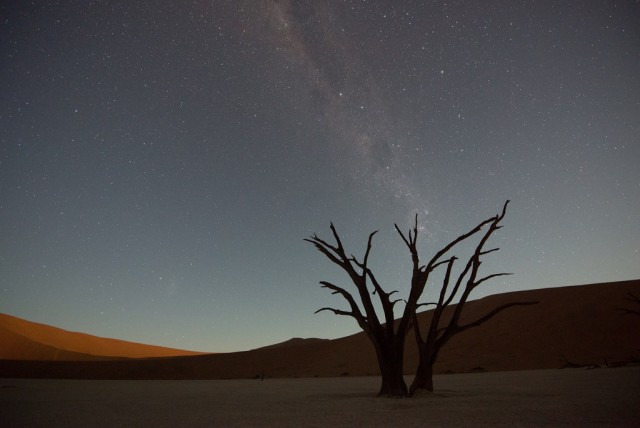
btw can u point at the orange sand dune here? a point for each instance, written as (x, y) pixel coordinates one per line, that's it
(570, 325)
(26, 340)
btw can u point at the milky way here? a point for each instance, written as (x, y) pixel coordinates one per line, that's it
(160, 164)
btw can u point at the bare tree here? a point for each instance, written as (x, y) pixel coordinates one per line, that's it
(433, 336)
(387, 335)
(630, 297)
(387, 340)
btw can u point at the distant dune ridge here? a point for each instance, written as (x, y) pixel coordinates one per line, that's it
(26, 340)
(571, 326)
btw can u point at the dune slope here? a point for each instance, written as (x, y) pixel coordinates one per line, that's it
(580, 325)
(26, 340)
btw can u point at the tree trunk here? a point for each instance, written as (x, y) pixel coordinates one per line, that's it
(391, 371)
(424, 376)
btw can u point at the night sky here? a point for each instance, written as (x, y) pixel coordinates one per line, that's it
(161, 162)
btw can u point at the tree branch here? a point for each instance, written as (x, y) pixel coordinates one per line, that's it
(411, 240)
(488, 277)
(459, 239)
(426, 304)
(493, 313)
(630, 297)
(327, 249)
(336, 311)
(337, 254)
(472, 269)
(347, 296)
(365, 260)
(458, 282)
(445, 284)
(452, 330)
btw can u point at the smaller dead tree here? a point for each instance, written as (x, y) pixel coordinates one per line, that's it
(432, 337)
(630, 297)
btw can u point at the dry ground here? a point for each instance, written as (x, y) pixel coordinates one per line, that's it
(569, 397)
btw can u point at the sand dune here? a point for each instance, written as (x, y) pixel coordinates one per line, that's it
(570, 325)
(25, 340)
(17, 347)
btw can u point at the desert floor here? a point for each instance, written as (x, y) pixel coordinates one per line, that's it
(569, 397)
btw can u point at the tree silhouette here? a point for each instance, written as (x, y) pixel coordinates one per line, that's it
(387, 340)
(630, 297)
(387, 335)
(437, 332)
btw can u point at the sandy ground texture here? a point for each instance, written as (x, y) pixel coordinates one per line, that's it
(553, 398)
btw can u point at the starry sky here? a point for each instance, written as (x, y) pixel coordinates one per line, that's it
(161, 162)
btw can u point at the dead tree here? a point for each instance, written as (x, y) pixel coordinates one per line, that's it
(630, 297)
(388, 336)
(387, 341)
(432, 337)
